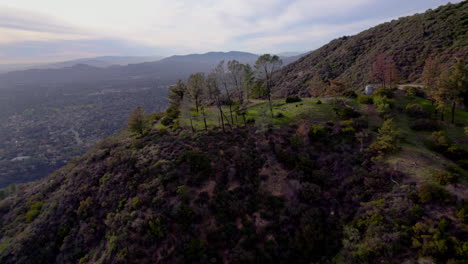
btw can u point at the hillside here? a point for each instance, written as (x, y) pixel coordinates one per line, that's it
(305, 186)
(442, 32)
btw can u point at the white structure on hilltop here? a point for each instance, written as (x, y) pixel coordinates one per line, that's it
(369, 90)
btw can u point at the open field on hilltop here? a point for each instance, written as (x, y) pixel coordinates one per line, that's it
(414, 157)
(259, 114)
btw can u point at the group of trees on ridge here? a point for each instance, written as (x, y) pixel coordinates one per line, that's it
(229, 86)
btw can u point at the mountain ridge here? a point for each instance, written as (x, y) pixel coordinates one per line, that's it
(408, 40)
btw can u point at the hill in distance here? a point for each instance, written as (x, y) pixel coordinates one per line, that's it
(441, 32)
(102, 62)
(120, 68)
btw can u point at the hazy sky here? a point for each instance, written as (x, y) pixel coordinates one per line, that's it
(46, 30)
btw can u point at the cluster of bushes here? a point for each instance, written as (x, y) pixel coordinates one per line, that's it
(416, 111)
(438, 141)
(346, 112)
(293, 99)
(414, 91)
(446, 177)
(318, 132)
(33, 212)
(365, 99)
(350, 94)
(172, 113)
(384, 105)
(385, 92)
(429, 192)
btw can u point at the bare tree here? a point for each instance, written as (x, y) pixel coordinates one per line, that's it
(223, 81)
(265, 66)
(236, 72)
(215, 96)
(384, 70)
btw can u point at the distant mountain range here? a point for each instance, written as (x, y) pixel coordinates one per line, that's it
(441, 32)
(111, 68)
(102, 61)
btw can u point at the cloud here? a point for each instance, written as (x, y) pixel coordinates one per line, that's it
(187, 26)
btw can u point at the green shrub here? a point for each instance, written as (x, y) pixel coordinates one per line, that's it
(34, 211)
(431, 192)
(346, 112)
(319, 102)
(318, 132)
(416, 111)
(445, 177)
(138, 122)
(156, 117)
(383, 105)
(136, 203)
(438, 141)
(384, 92)
(454, 152)
(365, 99)
(461, 212)
(279, 115)
(414, 91)
(293, 99)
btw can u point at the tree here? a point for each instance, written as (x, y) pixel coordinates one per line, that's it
(452, 86)
(388, 139)
(336, 87)
(215, 96)
(196, 90)
(195, 85)
(236, 72)
(384, 70)
(223, 81)
(248, 80)
(138, 122)
(317, 86)
(265, 66)
(175, 96)
(176, 93)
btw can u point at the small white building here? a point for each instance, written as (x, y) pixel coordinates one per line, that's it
(369, 90)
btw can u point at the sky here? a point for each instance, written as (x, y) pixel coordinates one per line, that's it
(55, 30)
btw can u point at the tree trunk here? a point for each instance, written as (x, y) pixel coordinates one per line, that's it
(453, 112)
(191, 124)
(222, 119)
(204, 118)
(230, 111)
